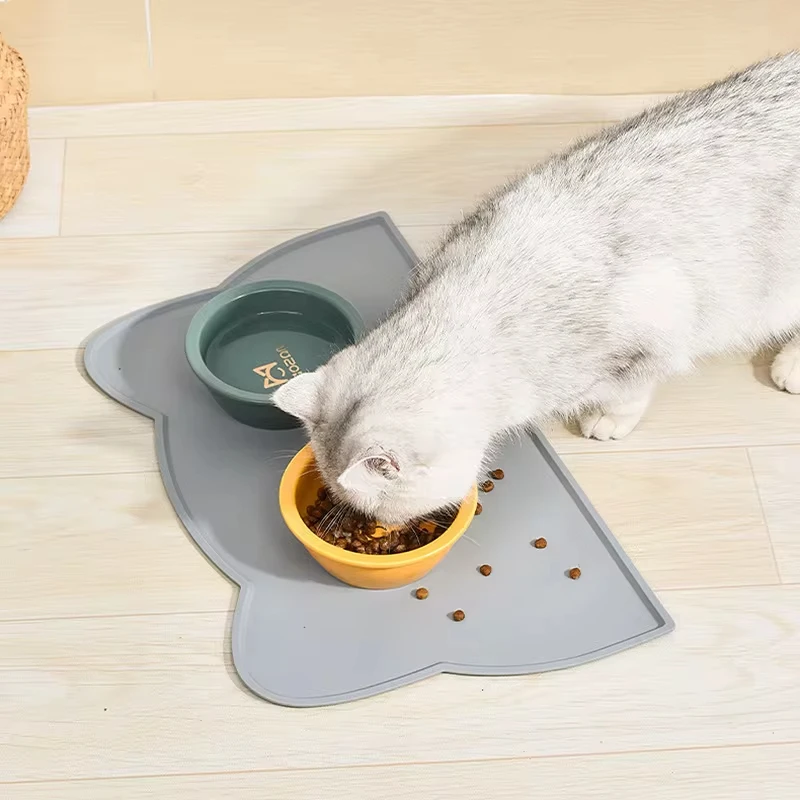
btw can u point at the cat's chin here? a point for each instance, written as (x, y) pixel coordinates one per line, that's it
(399, 514)
(388, 512)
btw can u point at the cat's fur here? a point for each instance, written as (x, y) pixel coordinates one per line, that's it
(573, 290)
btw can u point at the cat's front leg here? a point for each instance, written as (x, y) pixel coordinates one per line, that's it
(616, 418)
(786, 366)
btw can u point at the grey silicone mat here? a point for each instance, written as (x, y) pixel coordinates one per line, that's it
(300, 637)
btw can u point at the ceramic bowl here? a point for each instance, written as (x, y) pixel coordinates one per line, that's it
(249, 340)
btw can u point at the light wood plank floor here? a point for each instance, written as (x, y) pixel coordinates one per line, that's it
(115, 669)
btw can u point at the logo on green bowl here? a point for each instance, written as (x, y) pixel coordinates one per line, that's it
(285, 373)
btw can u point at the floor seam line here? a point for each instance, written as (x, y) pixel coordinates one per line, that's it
(398, 764)
(764, 519)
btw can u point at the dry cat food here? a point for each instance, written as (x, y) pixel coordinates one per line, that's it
(352, 531)
(540, 543)
(574, 573)
(495, 475)
(421, 593)
(485, 569)
(459, 615)
(478, 510)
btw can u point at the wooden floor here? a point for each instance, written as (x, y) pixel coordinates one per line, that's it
(115, 668)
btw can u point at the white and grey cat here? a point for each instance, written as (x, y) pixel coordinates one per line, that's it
(573, 290)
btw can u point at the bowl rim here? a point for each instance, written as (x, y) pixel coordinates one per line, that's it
(294, 521)
(216, 304)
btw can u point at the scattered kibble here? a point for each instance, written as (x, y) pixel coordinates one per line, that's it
(459, 615)
(540, 543)
(574, 573)
(485, 569)
(497, 474)
(487, 486)
(478, 510)
(421, 593)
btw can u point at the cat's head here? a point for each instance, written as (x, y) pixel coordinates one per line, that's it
(393, 454)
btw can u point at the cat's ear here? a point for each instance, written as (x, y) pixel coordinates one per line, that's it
(301, 396)
(370, 474)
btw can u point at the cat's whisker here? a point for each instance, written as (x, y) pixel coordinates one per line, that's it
(333, 517)
(275, 459)
(337, 518)
(412, 529)
(327, 519)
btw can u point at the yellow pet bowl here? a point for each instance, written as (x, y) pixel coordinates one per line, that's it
(298, 490)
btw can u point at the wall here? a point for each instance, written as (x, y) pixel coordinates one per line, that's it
(102, 51)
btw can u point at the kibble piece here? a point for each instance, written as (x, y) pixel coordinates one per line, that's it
(458, 615)
(574, 573)
(540, 543)
(322, 494)
(487, 486)
(497, 474)
(485, 569)
(421, 593)
(478, 510)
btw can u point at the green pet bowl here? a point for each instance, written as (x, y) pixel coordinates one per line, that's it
(249, 340)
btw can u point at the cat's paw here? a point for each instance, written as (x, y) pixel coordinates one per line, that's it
(603, 425)
(786, 369)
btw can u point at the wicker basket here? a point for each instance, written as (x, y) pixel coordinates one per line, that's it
(15, 158)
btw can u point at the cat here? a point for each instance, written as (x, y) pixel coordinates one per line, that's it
(572, 291)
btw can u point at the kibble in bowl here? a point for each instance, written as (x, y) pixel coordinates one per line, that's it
(300, 490)
(346, 528)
